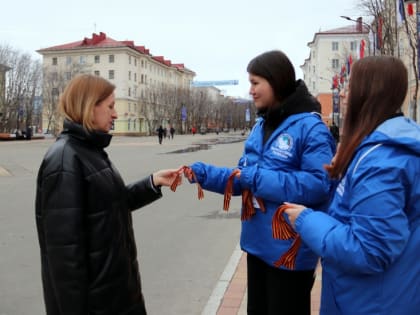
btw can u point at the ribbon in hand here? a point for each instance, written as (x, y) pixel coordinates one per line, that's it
(283, 231)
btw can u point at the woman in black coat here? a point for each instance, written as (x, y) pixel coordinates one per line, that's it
(83, 211)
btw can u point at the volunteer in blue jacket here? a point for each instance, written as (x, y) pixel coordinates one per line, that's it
(282, 161)
(369, 240)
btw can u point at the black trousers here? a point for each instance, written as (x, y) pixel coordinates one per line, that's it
(273, 291)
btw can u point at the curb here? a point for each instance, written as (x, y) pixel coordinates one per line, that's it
(217, 297)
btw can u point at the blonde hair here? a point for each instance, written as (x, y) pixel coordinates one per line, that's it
(81, 95)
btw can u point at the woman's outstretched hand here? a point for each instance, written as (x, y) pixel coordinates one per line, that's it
(166, 177)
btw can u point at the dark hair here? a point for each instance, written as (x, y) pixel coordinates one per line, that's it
(276, 68)
(377, 89)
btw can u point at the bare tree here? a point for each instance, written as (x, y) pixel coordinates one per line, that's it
(149, 108)
(54, 81)
(387, 31)
(23, 82)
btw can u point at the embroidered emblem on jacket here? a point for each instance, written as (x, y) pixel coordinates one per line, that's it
(283, 145)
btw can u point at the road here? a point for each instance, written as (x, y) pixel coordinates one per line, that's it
(183, 243)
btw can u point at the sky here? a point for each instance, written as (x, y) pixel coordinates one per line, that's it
(216, 39)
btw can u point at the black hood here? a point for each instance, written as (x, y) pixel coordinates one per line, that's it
(300, 101)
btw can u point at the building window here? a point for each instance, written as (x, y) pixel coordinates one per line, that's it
(111, 58)
(129, 75)
(129, 60)
(335, 63)
(111, 74)
(54, 61)
(334, 46)
(54, 91)
(68, 60)
(135, 62)
(141, 79)
(129, 91)
(353, 45)
(54, 76)
(97, 73)
(68, 75)
(97, 59)
(82, 60)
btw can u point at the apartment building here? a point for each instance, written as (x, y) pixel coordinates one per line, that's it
(137, 74)
(326, 69)
(3, 70)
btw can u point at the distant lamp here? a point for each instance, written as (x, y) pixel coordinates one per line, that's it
(359, 20)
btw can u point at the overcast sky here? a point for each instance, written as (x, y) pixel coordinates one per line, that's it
(216, 38)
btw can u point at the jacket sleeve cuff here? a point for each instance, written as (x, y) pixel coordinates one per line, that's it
(156, 188)
(247, 176)
(301, 218)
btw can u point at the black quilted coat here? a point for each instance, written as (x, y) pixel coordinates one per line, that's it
(83, 216)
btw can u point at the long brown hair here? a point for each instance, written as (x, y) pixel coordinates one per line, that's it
(377, 89)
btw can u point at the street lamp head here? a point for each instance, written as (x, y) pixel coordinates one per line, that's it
(346, 17)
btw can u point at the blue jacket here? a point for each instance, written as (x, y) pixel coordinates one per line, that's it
(370, 240)
(288, 167)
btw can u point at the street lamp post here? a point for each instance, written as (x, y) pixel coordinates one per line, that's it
(418, 50)
(335, 98)
(368, 26)
(336, 105)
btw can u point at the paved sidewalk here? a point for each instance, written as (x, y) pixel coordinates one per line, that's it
(234, 299)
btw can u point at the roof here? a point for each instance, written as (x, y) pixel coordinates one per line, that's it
(345, 30)
(4, 68)
(101, 40)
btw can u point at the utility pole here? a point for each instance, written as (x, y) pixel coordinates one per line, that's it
(414, 107)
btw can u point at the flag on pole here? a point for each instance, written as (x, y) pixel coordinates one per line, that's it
(400, 12)
(349, 63)
(410, 9)
(335, 81)
(379, 38)
(343, 74)
(362, 49)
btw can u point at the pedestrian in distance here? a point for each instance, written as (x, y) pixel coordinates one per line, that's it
(369, 238)
(161, 132)
(335, 131)
(172, 131)
(83, 210)
(283, 160)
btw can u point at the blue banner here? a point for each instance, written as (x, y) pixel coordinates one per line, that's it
(213, 83)
(183, 113)
(247, 115)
